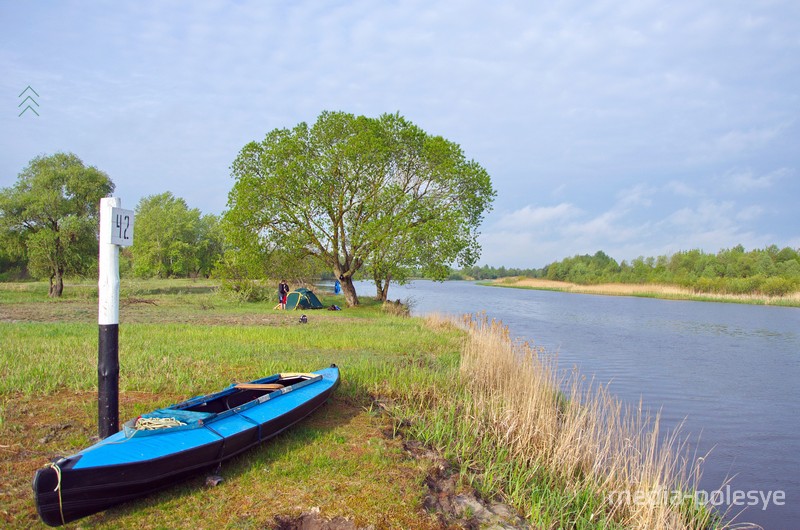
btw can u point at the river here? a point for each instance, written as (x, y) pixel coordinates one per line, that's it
(730, 372)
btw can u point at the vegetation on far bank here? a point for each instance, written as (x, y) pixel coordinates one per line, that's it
(667, 292)
(561, 454)
(763, 274)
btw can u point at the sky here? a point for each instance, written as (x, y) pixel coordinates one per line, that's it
(636, 127)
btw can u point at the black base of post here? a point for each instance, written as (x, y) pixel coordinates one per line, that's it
(108, 380)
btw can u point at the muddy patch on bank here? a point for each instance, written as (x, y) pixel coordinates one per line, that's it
(455, 506)
(313, 520)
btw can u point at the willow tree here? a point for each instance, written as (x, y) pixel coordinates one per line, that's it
(350, 188)
(53, 211)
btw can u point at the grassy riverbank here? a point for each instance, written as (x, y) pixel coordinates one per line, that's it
(669, 292)
(464, 391)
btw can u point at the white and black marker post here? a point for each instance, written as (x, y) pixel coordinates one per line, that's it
(116, 230)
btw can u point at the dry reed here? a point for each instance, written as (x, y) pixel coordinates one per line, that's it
(647, 290)
(575, 436)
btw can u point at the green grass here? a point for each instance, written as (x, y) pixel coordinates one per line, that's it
(192, 340)
(183, 338)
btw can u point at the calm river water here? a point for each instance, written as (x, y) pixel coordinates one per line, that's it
(731, 371)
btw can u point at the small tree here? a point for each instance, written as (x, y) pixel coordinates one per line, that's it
(53, 210)
(210, 245)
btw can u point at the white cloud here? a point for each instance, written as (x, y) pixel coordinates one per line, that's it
(623, 119)
(638, 195)
(608, 227)
(713, 225)
(750, 213)
(707, 214)
(530, 217)
(741, 141)
(747, 180)
(681, 188)
(534, 236)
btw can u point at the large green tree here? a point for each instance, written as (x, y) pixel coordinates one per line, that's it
(173, 239)
(441, 203)
(53, 211)
(349, 188)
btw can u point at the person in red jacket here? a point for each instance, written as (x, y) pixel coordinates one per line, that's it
(283, 292)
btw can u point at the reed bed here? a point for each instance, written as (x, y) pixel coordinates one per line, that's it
(561, 449)
(648, 290)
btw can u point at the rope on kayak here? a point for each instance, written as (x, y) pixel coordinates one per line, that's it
(222, 446)
(58, 489)
(251, 420)
(152, 424)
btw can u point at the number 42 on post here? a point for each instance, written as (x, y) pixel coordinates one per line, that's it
(122, 227)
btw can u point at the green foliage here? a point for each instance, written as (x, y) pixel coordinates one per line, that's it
(491, 273)
(769, 271)
(353, 191)
(50, 217)
(173, 240)
(447, 231)
(584, 269)
(13, 256)
(249, 275)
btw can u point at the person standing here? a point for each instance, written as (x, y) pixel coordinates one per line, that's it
(283, 292)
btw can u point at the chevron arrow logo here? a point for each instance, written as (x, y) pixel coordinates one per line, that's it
(29, 100)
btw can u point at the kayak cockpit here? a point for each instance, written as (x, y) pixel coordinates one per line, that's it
(202, 410)
(240, 394)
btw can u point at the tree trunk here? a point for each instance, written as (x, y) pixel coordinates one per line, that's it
(349, 290)
(56, 283)
(382, 288)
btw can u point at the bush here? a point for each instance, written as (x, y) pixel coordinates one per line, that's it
(778, 286)
(708, 285)
(245, 290)
(744, 285)
(397, 308)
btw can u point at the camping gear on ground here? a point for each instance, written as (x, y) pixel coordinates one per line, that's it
(302, 298)
(162, 447)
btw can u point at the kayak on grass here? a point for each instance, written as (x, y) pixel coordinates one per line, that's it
(167, 445)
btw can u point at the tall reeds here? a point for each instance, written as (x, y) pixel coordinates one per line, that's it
(560, 448)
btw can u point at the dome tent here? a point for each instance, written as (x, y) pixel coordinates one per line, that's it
(302, 298)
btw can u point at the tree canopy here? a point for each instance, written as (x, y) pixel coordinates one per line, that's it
(173, 239)
(352, 190)
(51, 215)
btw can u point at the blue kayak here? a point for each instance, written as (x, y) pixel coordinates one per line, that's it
(167, 445)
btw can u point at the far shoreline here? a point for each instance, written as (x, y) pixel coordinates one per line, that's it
(660, 291)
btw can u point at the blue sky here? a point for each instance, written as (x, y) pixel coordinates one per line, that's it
(635, 127)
